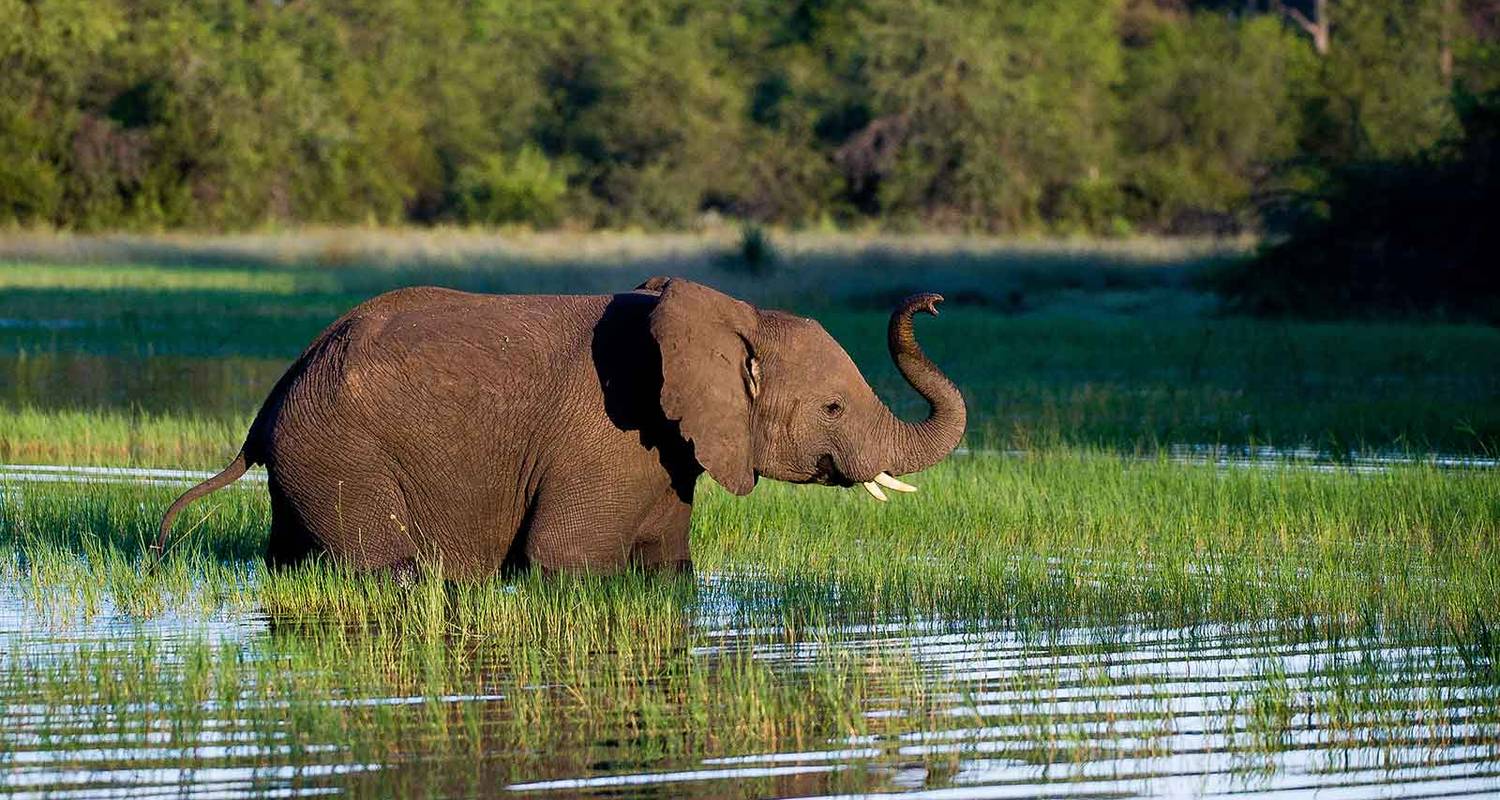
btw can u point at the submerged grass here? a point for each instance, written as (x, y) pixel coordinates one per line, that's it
(603, 678)
(480, 714)
(358, 700)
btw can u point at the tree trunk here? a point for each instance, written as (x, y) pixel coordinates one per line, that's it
(1445, 46)
(1316, 26)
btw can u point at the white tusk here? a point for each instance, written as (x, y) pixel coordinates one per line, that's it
(874, 490)
(891, 483)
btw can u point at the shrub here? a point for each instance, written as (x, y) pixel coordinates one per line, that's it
(526, 187)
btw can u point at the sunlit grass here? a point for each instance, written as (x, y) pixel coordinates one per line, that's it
(1096, 343)
(31, 436)
(590, 676)
(1124, 384)
(1056, 538)
(337, 700)
(451, 246)
(89, 277)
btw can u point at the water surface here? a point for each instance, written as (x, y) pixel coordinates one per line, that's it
(1127, 710)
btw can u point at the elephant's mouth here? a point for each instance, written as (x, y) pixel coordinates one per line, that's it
(827, 473)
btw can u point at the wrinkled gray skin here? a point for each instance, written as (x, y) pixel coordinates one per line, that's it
(566, 432)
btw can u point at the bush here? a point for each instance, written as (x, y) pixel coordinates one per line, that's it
(522, 188)
(755, 255)
(1209, 115)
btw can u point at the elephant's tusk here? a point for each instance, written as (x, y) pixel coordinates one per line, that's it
(874, 490)
(888, 482)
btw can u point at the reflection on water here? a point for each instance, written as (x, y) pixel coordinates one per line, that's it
(1323, 460)
(1121, 711)
(205, 387)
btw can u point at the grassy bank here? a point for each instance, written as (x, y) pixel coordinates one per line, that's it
(170, 378)
(1052, 344)
(1126, 384)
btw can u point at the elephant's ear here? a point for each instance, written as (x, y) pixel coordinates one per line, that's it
(709, 376)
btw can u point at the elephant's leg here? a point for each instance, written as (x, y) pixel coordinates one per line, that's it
(662, 538)
(290, 543)
(663, 556)
(574, 527)
(360, 521)
(406, 573)
(575, 537)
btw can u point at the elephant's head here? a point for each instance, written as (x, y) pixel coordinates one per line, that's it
(766, 393)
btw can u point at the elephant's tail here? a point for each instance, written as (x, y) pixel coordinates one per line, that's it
(229, 475)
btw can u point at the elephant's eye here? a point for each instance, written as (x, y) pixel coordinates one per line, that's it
(833, 409)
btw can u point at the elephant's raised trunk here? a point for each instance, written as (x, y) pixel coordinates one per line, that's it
(916, 446)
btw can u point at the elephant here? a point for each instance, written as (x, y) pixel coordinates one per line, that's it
(485, 433)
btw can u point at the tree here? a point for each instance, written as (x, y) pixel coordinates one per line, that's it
(1209, 116)
(1007, 110)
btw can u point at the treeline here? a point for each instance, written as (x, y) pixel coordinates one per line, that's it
(1102, 116)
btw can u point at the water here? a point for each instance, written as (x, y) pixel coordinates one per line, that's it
(1257, 708)
(221, 387)
(1107, 711)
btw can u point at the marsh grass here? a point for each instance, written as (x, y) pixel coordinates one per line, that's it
(1057, 538)
(435, 710)
(479, 250)
(362, 699)
(121, 438)
(1121, 384)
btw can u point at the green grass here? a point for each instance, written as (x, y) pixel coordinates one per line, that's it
(459, 716)
(1387, 581)
(387, 704)
(1073, 347)
(31, 436)
(1094, 344)
(1052, 539)
(1127, 385)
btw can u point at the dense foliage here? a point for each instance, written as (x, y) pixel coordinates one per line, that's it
(1085, 115)
(1390, 236)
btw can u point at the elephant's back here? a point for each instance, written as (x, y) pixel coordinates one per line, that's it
(425, 367)
(429, 352)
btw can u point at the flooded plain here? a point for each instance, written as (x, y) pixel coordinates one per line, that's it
(1060, 667)
(238, 704)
